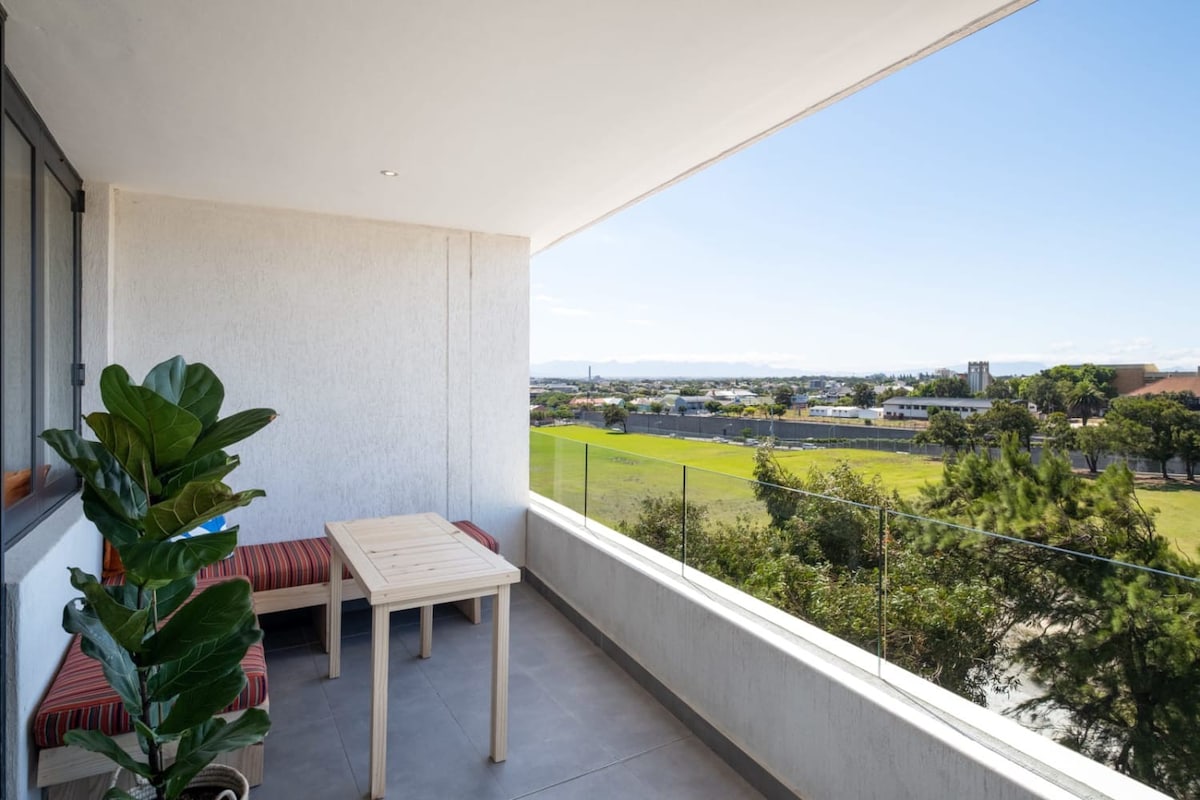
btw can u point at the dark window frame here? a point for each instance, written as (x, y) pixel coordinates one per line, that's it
(48, 161)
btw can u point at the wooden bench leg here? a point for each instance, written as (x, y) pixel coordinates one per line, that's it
(472, 609)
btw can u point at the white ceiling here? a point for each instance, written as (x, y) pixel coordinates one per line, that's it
(527, 117)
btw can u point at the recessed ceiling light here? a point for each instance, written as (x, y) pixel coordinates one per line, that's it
(388, 173)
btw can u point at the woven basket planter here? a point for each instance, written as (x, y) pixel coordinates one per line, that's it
(225, 783)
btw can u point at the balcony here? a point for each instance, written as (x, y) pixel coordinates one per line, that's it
(579, 726)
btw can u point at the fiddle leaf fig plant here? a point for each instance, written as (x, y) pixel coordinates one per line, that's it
(154, 473)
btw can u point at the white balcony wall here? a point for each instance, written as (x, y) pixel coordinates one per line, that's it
(396, 355)
(805, 706)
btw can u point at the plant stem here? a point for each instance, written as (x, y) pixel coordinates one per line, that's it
(153, 748)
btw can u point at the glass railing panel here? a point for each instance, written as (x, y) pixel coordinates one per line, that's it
(557, 469)
(812, 556)
(639, 496)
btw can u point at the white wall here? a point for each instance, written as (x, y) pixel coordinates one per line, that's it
(803, 704)
(36, 584)
(396, 356)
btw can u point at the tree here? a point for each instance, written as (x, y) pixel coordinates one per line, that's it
(777, 409)
(1087, 398)
(660, 523)
(946, 428)
(734, 409)
(823, 564)
(1094, 443)
(1149, 427)
(656, 407)
(1115, 649)
(783, 396)
(1187, 442)
(864, 395)
(712, 406)
(1046, 393)
(889, 393)
(1000, 390)
(1058, 433)
(615, 415)
(944, 387)
(1004, 418)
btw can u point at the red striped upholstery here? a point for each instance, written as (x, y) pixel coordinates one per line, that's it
(478, 534)
(79, 697)
(277, 565)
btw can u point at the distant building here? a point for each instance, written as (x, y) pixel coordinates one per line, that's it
(1174, 383)
(689, 404)
(918, 407)
(979, 376)
(835, 412)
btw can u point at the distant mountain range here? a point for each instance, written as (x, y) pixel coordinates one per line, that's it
(733, 369)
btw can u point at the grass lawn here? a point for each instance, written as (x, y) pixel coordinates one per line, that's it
(629, 467)
(1178, 504)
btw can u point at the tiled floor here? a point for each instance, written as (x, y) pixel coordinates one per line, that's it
(579, 726)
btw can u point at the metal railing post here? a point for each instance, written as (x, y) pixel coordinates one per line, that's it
(683, 544)
(585, 483)
(881, 568)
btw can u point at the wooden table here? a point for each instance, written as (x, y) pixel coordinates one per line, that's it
(409, 562)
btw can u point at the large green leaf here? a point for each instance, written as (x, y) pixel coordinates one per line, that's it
(199, 703)
(202, 665)
(202, 394)
(103, 744)
(210, 467)
(101, 471)
(127, 626)
(200, 745)
(166, 379)
(115, 662)
(232, 429)
(114, 527)
(124, 442)
(167, 429)
(196, 503)
(209, 616)
(173, 595)
(156, 564)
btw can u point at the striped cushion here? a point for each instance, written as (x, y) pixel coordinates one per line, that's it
(278, 565)
(478, 534)
(79, 697)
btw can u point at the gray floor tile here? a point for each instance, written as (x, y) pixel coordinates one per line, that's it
(610, 783)
(688, 770)
(579, 726)
(306, 762)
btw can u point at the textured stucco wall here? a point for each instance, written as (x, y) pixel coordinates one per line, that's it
(396, 356)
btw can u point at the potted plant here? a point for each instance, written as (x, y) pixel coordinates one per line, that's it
(174, 659)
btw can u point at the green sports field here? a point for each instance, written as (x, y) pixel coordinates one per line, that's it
(629, 467)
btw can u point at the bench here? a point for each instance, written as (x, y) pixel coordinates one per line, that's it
(283, 575)
(295, 574)
(80, 697)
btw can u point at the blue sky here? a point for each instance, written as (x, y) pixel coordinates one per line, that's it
(1031, 193)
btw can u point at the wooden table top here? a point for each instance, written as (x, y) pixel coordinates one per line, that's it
(407, 558)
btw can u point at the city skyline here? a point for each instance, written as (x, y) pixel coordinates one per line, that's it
(1029, 194)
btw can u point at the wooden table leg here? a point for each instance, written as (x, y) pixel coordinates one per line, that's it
(380, 621)
(426, 631)
(500, 675)
(333, 615)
